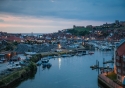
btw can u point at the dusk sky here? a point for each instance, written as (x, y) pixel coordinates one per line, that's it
(47, 16)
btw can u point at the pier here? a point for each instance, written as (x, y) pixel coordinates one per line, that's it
(110, 61)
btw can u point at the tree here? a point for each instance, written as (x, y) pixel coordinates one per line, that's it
(15, 43)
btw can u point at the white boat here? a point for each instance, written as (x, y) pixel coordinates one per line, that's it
(79, 54)
(13, 66)
(45, 60)
(90, 52)
(55, 56)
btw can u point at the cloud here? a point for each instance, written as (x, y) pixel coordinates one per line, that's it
(53, 15)
(46, 24)
(1, 20)
(107, 10)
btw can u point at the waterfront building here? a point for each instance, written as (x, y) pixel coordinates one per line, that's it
(120, 61)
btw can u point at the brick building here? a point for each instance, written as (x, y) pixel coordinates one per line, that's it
(120, 61)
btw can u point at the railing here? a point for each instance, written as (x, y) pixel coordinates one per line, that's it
(109, 81)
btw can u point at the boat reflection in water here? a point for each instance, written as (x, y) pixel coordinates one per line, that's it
(46, 65)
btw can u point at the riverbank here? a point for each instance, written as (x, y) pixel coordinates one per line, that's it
(65, 70)
(44, 54)
(17, 75)
(107, 82)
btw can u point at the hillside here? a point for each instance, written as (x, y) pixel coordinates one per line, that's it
(79, 31)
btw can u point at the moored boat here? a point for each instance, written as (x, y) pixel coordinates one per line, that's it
(91, 52)
(45, 60)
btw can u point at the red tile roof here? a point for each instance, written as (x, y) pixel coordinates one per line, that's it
(13, 38)
(121, 49)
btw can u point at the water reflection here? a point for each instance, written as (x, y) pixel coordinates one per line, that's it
(46, 65)
(59, 59)
(70, 72)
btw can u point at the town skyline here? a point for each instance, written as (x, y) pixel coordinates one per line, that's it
(48, 16)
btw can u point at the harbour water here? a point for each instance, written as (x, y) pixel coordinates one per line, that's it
(69, 72)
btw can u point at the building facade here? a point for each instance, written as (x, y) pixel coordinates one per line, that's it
(120, 62)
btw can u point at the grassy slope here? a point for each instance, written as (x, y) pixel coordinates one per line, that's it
(82, 29)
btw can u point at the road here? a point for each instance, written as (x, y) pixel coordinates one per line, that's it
(3, 66)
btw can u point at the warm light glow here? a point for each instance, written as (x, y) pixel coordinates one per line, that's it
(9, 56)
(82, 43)
(59, 62)
(87, 38)
(59, 46)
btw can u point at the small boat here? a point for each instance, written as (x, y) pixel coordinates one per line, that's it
(65, 55)
(45, 60)
(79, 54)
(48, 65)
(49, 57)
(94, 66)
(55, 56)
(38, 63)
(91, 53)
(83, 53)
(72, 55)
(1, 61)
(13, 66)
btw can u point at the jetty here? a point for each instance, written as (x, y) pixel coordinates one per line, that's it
(110, 61)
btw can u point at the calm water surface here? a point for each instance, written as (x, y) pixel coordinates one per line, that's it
(70, 72)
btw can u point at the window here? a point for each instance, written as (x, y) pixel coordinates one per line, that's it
(117, 57)
(119, 70)
(119, 77)
(123, 65)
(123, 56)
(118, 64)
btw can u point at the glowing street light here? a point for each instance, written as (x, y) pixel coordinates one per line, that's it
(59, 46)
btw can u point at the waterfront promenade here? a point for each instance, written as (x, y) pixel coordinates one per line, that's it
(108, 82)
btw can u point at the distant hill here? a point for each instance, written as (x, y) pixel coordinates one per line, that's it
(79, 31)
(82, 29)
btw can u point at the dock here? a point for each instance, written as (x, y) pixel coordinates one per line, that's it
(110, 61)
(96, 67)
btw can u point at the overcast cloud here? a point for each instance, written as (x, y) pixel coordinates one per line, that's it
(60, 12)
